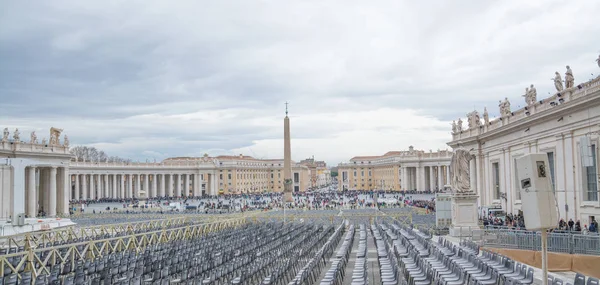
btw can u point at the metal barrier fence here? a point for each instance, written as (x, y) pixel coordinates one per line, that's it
(557, 242)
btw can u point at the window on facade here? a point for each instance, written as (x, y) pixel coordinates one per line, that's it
(592, 178)
(355, 173)
(271, 175)
(369, 172)
(278, 175)
(229, 176)
(496, 179)
(551, 166)
(362, 173)
(221, 176)
(296, 177)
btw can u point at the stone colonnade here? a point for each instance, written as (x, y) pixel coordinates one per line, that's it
(424, 178)
(47, 190)
(95, 186)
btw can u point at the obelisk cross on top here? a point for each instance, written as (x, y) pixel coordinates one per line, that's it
(286, 108)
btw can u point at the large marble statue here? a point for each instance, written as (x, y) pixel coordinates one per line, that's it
(569, 79)
(55, 136)
(486, 116)
(5, 136)
(558, 82)
(454, 127)
(598, 60)
(531, 96)
(460, 172)
(16, 135)
(505, 108)
(44, 141)
(473, 120)
(66, 141)
(459, 126)
(33, 138)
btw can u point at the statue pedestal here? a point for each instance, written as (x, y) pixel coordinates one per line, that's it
(464, 214)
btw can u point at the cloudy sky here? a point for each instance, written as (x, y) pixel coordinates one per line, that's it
(154, 79)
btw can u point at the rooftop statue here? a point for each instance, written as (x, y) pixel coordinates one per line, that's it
(16, 135)
(459, 126)
(505, 107)
(55, 136)
(66, 143)
(454, 126)
(558, 82)
(460, 172)
(5, 136)
(33, 138)
(486, 116)
(569, 79)
(598, 60)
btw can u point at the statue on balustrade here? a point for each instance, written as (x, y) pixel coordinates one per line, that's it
(5, 136)
(16, 135)
(530, 95)
(460, 171)
(569, 79)
(33, 138)
(505, 108)
(55, 136)
(459, 126)
(558, 82)
(598, 60)
(454, 127)
(486, 116)
(66, 143)
(473, 120)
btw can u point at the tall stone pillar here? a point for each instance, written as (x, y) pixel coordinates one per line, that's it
(84, 188)
(122, 192)
(177, 185)
(92, 186)
(440, 175)
(473, 174)
(114, 186)
(420, 178)
(130, 186)
(162, 185)
(214, 183)
(287, 160)
(186, 185)
(432, 180)
(170, 185)
(76, 194)
(31, 193)
(448, 178)
(147, 185)
(66, 192)
(52, 193)
(154, 188)
(107, 193)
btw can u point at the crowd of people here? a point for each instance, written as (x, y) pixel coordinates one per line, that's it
(576, 226)
(325, 200)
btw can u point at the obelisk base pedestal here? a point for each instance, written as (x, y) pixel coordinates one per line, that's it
(287, 197)
(464, 214)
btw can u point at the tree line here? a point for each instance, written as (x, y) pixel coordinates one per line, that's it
(84, 153)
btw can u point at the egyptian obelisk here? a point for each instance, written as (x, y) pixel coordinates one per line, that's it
(287, 159)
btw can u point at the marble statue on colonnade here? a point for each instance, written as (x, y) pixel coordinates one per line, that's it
(504, 107)
(16, 135)
(473, 120)
(558, 82)
(33, 138)
(55, 136)
(459, 127)
(569, 79)
(460, 172)
(486, 116)
(5, 136)
(66, 141)
(454, 127)
(598, 60)
(530, 95)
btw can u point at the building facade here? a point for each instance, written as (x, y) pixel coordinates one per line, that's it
(320, 176)
(396, 171)
(565, 126)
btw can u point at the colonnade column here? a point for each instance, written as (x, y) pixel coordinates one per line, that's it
(114, 186)
(31, 193)
(92, 186)
(122, 193)
(171, 184)
(84, 194)
(76, 194)
(186, 185)
(52, 193)
(146, 185)
(473, 174)
(448, 178)
(440, 175)
(404, 178)
(107, 193)
(178, 185)
(130, 186)
(162, 185)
